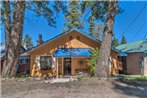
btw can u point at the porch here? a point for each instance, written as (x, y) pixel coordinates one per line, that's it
(71, 66)
(71, 61)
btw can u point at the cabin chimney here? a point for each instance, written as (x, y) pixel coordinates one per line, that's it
(40, 41)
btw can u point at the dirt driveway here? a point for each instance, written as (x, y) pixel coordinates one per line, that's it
(87, 88)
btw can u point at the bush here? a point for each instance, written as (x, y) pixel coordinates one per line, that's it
(93, 60)
(79, 78)
(22, 75)
(136, 78)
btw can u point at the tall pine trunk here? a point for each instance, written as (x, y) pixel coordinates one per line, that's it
(13, 35)
(105, 49)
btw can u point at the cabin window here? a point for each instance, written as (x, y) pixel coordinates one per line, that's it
(120, 58)
(78, 37)
(123, 60)
(23, 61)
(70, 38)
(45, 62)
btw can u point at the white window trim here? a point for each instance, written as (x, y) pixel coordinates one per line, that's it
(39, 65)
(53, 62)
(38, 61)
(145, 59)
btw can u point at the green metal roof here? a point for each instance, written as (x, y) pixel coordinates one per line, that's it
(145, 51)
(133, 47)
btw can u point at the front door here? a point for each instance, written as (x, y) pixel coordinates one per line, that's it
(67, 66)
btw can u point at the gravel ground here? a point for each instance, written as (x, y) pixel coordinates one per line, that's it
(85, 88)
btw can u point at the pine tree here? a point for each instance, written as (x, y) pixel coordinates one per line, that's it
(123, 40)
(27, 42)
(104, 11)
(13, 26)
(73, 16)
(115, 42)
(95, 29)
(91, 25)
(105, 49)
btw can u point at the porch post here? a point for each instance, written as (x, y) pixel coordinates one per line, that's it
(62, 66)
(57, 68)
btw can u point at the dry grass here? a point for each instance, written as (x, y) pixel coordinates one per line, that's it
(83, 88)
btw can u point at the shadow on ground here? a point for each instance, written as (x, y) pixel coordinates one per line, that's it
(133, 89)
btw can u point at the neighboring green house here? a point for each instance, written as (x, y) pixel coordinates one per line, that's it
(145, 51)
(136, 58)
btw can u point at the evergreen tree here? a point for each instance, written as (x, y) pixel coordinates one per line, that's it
(123, 40)
(115, 42)
(73, 16)
(91, 25)
(93, 60)
(12, 14)
(95, 29)
(105, 11)
(27, 42)
(105, 49)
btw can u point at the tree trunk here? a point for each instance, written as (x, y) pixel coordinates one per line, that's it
(13, 35)
(105, 49)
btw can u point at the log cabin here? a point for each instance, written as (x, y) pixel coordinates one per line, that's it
(66, 54)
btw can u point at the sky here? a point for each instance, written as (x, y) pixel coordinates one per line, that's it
(38, 25)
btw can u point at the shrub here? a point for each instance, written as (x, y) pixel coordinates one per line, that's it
(79, 78)
(22, 75)
(136, 78)
(93, 60)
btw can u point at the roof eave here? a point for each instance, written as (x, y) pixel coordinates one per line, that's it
(54, 38)
(62, 34)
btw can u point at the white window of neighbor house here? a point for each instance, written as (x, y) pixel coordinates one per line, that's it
(141, 61)
(45, 62)
(145, 59)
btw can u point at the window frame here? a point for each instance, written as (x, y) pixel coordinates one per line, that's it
(46, 67)
(23, 61)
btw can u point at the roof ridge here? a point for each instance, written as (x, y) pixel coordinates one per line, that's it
(138, 41)
(133, 42)
(137, 46)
